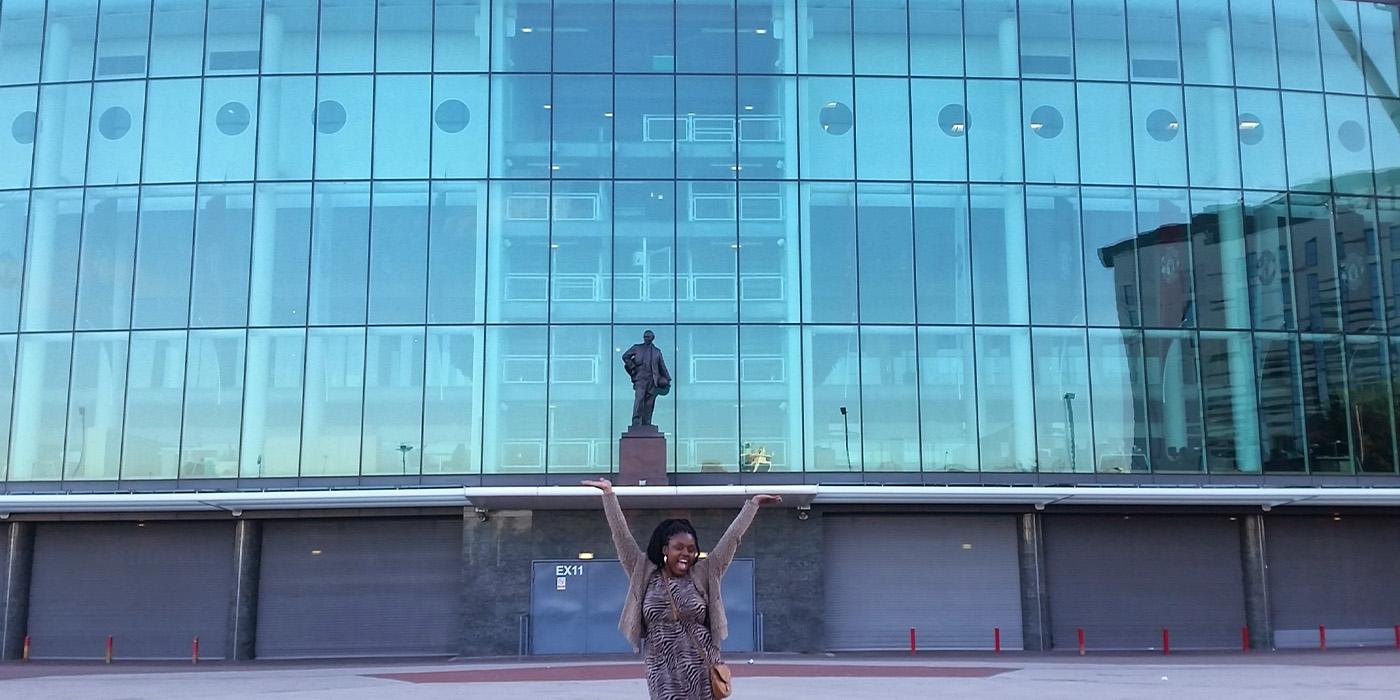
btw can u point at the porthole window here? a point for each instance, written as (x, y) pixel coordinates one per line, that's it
(1251, 129)
(452, 116)
(22, 129)
(1352, 135)
(1047, 122)
(114, 123)
(233, 118)
(952, 119)
(1163, 125)
(330, 117)
(836, 118)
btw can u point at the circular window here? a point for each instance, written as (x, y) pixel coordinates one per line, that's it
(452, 116)
(23, 128)
(836, 118)
(1047, 122)
(330, 117)
(952, 119)
(1162, 125)
(233, 118)
(1251, 129)
(1352, 135)
(114, 123)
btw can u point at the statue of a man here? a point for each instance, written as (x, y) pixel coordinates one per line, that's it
(647, 369)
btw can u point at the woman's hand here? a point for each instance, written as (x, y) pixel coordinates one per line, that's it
(601, 484)
(764, 499)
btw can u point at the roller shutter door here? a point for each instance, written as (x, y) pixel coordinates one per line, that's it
(368, 587)
(1124, 579)
(953, 578)
(153, 586)
(1343, 574)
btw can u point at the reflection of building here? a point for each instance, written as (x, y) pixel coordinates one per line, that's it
(347, 258)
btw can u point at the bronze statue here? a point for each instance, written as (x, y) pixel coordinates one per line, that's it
(647, 369)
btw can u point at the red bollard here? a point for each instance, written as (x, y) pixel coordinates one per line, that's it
(1244, 639)
(996, 639)
(1081, 640)
(911, 641)
(24, 654)
(1322, 637)
(1166, 643)
(1397, 636)
(194, 652)
(109, 648)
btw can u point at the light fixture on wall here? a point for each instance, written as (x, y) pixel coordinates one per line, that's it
(585, 555)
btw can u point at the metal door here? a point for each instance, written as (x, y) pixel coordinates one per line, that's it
(1340, 572)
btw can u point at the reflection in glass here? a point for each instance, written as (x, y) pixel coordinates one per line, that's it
(1280, 402)
(1063, 428)
(1228, 388)
(1359, 265)
(1173, 402)
(60, 142)
(164, 245)
(991, 42)
(1252, 31)
(519, 253)
(393, 418)
(943, 269)
(347, 36)
(1152, 41)
(885, 254)
(889, 389)
(333, 411)
(1164, 259)
(41, 399)
(1266, 261)
(516, 399)
(707, 398)
(583, 126)
(7, 394)
(1105, 148)
(1053, 242)
(271, 439)
(222, 250)
(452, 407)
(213, 405)
(999, 275)
(398, 253)
(114, 146)
(947, 399)
(769, 252)
(155, 388)
(105, 261)
(581, 366)
(583, 35)
(580, 246)
(21, 37)
(402, 105)
(1005, 407)
(1325, 404)
(1100, 40)
(1372, 419)
(770, 392)
(51, 259)
(1205, 42)
(1219, 259)
(828, 253)
(831, 375)
(93, 447)
(339, 252)
(457, 252)
(459, 41)
(940, 129)
(70, 60)
(1314, 263)
(169, 106)
(882, 128)
(1119, 401)
(521, 40)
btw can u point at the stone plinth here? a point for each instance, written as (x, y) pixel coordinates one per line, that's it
(642, 457)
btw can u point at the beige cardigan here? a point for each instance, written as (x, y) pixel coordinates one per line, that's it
(706, 573)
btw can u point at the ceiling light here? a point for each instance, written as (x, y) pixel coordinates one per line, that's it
(549, 106)
(1035, 126)
(1249, 124)
(748, 107)
(1172, 125)
(958, 127)
(585, 555)
(526, 30)
(553, 167)
(760, 30)
(608, 114)
(315, 552)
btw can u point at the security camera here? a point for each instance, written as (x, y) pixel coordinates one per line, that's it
(804, 512)
(481, 514)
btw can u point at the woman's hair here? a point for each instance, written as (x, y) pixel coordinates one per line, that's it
(662, 535)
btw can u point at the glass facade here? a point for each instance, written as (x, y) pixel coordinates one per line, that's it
(355, 238)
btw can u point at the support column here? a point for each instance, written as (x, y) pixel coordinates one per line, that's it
(1253, 555)
(1035, 604)
(14, 585)
(243, 622)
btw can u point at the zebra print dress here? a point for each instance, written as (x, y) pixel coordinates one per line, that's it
(675, 668)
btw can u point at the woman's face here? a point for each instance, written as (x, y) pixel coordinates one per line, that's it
(679, 554)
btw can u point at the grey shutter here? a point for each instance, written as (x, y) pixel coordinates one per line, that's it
(368, 587)
(152, 586)
(1123, 580)
(1344, 574)
(954, 578)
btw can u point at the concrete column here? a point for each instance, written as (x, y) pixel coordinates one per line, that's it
(1254, 557)
(243, 615)
(14, 619)
(1035, 602)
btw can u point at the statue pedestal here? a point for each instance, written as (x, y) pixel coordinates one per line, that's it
(642, 457)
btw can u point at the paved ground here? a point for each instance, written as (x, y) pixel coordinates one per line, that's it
(1331, 674)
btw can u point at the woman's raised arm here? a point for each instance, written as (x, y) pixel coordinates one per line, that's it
(720, 557)
(627, 550)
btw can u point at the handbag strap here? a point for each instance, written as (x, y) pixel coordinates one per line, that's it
(676, 615)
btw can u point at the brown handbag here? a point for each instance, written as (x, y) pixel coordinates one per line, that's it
(721, 680)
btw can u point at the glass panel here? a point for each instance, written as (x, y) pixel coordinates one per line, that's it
(155, 396)
(581, 247)
(339, 251)
(95, 399)
(1159, 138)
(280, 252)
(516, 402)
(889, 390)
(1205, 42)
(882, 129)
(999, 275)
(1212, 145)
(947, 399)
(1119, 396)
(177, 38)
(1173, 401)
(885, 254)
(765, 36)
(393, 421)
(706, 142)
(517, 289)
(460, 35)
(882, 47)
(401, 104)
(1388, 234)
(213, 405)
(644, 252)
(1314, 263)
(940, 130)
(1267, 261)
(457, 253)
(767, 117)
(521, 40)
(21, 36)
(583, 126)
(1340, 31)
(1053, 242)
(991, 41)
(580, 381)
(171, 106)
(271, 438)
(1368, 373)
(164, 245)
(1260, 136)
(51, 260)
(825, 128)
(994, 140)
(60, 156)
(290, 29)
(7, 394)
(1359, 264)
(1110, 256)
(829, 292)
(105, 268)
(583, 39)
(520, 125)
(1105, 147)
(1219, 260)
(1062, 427)
(17, 152)
(1227, 384)
(228, 138)
(1051, 145)
(1379, 39)
(1164, 259)
(398, 254)
(452, 409)
(707, 252)
(831, 381)
(935, 37)
(942, 265)
(1303, 126)
(1152, 41)
(645, 127)
(1348, 126)
(770, 392)
(223, 236)
(14, 224)
(41, 401)
(1100, 40)
(234, 30)
(1280, 402)
(1005, 405)
(1252, 31)
(769, 252)
(459, 121)
(342, 121)
(1385, 145)
(649, 39)
(1047, 28)
(334, 405)
(114, 146)
(705, 36)
(71, 37)
(404, 40)
(1299, 59)
(347, 36)
(1325, 404)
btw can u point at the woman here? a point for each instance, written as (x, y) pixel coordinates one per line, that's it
(673, 597)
